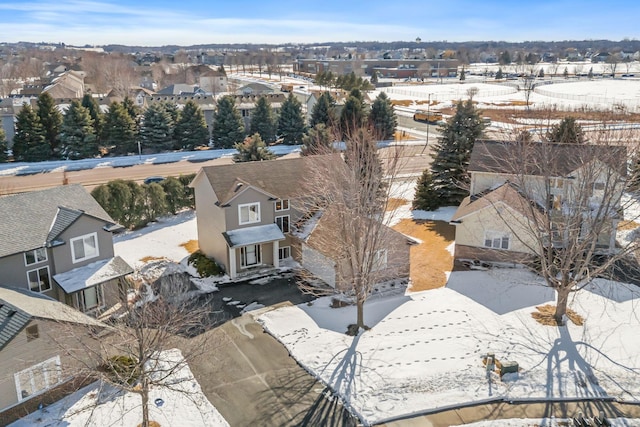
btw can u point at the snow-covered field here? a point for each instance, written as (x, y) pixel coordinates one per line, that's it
(181, 403)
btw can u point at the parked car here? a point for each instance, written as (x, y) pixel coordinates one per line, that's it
(151, 179)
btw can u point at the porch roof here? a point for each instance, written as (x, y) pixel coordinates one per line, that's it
(253, 235)
(92, 274)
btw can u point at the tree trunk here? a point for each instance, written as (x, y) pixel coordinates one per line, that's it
(144, 393)
(360, 308)
(561, 304)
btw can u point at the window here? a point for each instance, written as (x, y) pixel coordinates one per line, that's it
(32, 332)
(39, 279)
(284, 252)
(250, 255)
(38, 378)
(89, 298)
(249, 213)
(379, 260)
(496, 240)
(35, 256)
(283, 223)
(282, 205)
(84, 247)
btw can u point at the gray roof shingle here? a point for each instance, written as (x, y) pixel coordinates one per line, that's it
(12, 321)
(30, 219)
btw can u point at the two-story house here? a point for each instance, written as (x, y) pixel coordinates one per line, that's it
(522, 192)
(43, 344)
(58, 242)
(251, 216)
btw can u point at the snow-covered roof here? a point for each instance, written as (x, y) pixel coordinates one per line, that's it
(92, 274)
(253, 235)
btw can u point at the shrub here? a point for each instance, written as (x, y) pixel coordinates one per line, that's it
(121, 369)
(205, 266)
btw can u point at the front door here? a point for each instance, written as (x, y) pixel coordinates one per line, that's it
(249, 256)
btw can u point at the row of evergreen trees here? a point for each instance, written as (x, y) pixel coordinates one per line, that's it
(134, 205)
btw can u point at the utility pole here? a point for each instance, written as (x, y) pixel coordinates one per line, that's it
(428, 120)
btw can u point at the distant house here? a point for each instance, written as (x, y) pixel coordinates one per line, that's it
(43, 344)
(58, 242)
(69, 84)
(495, 222)
(255, 89)
(250, 218)
(181, 89)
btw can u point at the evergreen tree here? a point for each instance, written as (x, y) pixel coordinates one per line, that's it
(499, 75)
(51, 121)
(90, 103)
(77, 134)
(323, 112)
(453, 150)
(263, 121)
(462, 75)
(176, 194)
(374, 78)
(382, 117)
(156, 131)
(119, 130)
(541, 73)
(291, 126)
(568, 131)
(565, 73)
(191, 129)
(155, 202)
(29, 141)
(4, 156)
(252, 149)
(590, 74)
(132, 109)
(228, 127)
(172, 109)
(317, 141)
(352, 116)
(426, 198)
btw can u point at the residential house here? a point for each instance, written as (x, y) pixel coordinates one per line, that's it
(58, 242)
(251, 217)
(43, 345)
(69, 84)
(255, 89)
(510, 200)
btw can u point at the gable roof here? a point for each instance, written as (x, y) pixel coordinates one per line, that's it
(31, 220)
(507, 193)
(281, 177)
(18, 307)
(543, 158)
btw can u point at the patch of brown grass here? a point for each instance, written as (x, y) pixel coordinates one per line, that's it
(151, 424)
(394, 203)
(430, 260)
(191, 246)
(628, 225)
(544, 316)
(401, 102)
(151, 258)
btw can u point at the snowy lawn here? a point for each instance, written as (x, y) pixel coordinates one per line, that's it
(181, 403)
(424, 350)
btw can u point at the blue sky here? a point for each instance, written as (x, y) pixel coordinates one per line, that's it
(161, 22)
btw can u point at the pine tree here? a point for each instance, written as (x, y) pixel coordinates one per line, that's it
(352, 116)
(323, 112)
(453, 151)
(590, 74)
(51, 121)
(317, 141)
(191, 129)
(252, 149)
(156, 131)
(382, 117)
(499, 75)
(29, 141)
(90, 103)
(565, 73)
(119, 130)
(3, 147)
(374, 78)
(228, 128)
(568, 131)
(462, 75)
(263, 121)
(77, 135)
(425, 198)
(132, 109)
(291, 126)
(541, 73)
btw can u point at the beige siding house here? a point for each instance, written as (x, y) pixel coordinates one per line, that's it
(58, 242)
(43, 344)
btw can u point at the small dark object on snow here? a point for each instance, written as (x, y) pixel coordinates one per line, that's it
(159, 402)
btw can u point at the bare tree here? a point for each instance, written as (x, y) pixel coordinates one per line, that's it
(565, 204)
(130, 357)
(350, 193)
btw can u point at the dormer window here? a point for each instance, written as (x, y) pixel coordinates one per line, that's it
(249, 213)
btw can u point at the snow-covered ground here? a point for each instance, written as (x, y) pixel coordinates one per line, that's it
(424, 350)
(181, 403)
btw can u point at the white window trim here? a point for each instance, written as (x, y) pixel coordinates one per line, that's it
(282, 203)
(80, 301)
(258, 257)
(38, 269)
(282, 249)
(35, 257)
(55, 360)
(248, 205)
(73, 252)
(288, 223)
(502, 235)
